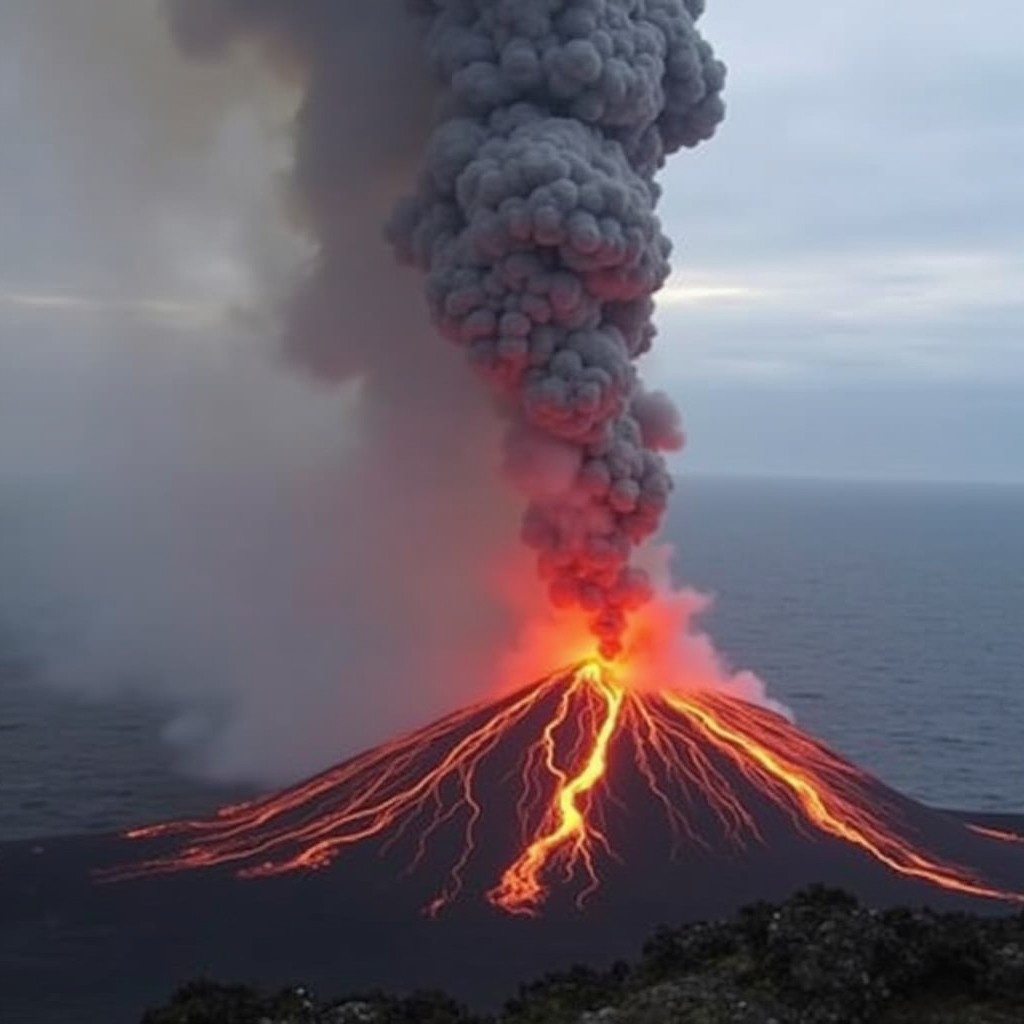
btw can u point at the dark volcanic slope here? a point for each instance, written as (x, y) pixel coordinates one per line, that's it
(72, 949)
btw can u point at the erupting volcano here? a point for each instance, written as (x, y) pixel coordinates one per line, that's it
(509, 151)
(557, 824)
(569, 759)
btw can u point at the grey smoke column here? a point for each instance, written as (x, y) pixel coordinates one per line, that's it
(535, 222)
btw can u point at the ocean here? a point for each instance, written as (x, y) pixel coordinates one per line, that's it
(887, 617)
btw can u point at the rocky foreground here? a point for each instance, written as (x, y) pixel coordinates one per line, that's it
(820, 958)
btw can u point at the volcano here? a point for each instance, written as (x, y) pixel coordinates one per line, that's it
(561, 823)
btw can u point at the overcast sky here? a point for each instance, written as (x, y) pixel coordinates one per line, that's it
(848, 299)
(851, 247)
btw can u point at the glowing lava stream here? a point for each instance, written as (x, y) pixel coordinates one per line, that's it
(997, 833)
(570, 833)
(568, 734)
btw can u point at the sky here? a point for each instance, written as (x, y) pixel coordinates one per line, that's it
(845, 304)
(846, 300)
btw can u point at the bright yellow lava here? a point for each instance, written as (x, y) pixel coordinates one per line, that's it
(567, 833)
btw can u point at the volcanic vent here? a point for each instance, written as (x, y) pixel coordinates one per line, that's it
(535, 796)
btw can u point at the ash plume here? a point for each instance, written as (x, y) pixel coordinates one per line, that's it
(534, 220)
(294, 571)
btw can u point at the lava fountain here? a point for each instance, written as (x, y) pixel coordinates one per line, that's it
(559, 748)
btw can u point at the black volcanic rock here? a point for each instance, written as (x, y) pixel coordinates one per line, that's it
(819, 958)
(72, 948)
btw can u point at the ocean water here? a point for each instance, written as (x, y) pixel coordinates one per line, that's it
(888, 617)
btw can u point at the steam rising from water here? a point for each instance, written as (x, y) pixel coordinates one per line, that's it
(276, 560)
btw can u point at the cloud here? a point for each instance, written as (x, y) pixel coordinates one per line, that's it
(922, 314)
(181, 311)
(860, 215)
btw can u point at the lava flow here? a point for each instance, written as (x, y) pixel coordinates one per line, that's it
(571, 736)
(997, 833)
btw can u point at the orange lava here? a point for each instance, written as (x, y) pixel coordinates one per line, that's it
(997, 833)
(567, 832)
(568, 734)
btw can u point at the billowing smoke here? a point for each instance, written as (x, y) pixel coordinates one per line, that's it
(296, 570)
(534, 220)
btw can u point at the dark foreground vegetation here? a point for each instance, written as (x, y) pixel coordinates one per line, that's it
(820, 958)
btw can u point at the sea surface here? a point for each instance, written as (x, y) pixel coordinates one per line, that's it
(888, 617)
